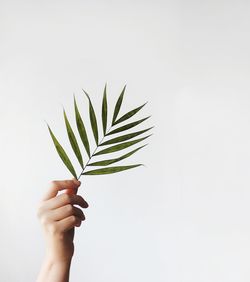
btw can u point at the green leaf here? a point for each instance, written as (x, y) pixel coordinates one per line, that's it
(92, 119)
(111, 161)
(127, 126)
(81, 129)
(129, 114)
(109, 170)
(124, 137)
(119, 147)
(118, 105)
(62, 154)
(73, 140)
(104, 110)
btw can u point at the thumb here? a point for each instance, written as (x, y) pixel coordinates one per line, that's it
(73, 191)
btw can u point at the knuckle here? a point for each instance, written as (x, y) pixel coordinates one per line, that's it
(43, 220)
(52, 228)
(69, 208)
(53, 183)
(40, 205)
(39, 211)
(73, 219)
(67, 198)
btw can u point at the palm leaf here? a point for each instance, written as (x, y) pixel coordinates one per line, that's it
(118, 105)
(120, 142)
(104, 111)
(92, 119)
(111, 161)
(127, 126)
(81, 129)
(124, 137)
(62, 154)
(129, 114)
(119, 147)
(72, 140)
(109, 170)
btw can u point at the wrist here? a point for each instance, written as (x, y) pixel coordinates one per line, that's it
(59, 250)
(56, 258)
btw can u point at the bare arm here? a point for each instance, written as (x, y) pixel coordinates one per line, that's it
(59, 216)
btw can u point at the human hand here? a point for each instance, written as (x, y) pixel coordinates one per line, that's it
(59, 216)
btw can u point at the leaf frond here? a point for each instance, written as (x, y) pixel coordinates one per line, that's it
(114, 144)
(93, 120)
(129, 114)
(72, 139)
(109, 170)
(118, 105)
(111, 161)
(127, 126)
(62, 154)
(124, 137)
(81, 128)
(119, 147)
(104, 110)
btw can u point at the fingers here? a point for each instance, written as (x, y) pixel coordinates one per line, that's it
(59, 185)
(61, 226)
(58, 213)
(65, 199)
(68, 223)
(71, 191)
(66, 211)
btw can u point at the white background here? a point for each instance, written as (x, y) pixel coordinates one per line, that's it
(185, 216)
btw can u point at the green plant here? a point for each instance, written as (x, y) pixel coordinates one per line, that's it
(112, 145)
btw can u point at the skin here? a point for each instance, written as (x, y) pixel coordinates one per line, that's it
(59, 215)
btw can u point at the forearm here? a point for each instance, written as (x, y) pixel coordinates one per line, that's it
(54, 271)
(59, 216)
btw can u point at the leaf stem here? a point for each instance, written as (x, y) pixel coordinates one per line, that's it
(94, 152)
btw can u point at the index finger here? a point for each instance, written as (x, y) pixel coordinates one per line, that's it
(59, 185)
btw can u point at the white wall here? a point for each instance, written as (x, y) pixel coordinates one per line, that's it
(185, 217)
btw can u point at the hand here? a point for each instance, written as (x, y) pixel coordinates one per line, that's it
(58, 216)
